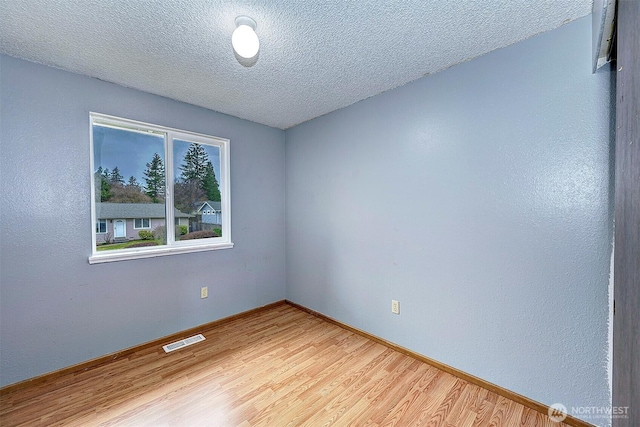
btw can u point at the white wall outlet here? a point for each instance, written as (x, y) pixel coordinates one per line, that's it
(204, 292)
(395, 307)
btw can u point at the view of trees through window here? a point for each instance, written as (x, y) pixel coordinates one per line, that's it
(130, 179)
(196, 188)
(114, 189)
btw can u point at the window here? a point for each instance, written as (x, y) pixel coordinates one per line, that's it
(101, 226)
(142, 223)
(146, 176)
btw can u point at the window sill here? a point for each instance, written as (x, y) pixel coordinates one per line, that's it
(152, 253)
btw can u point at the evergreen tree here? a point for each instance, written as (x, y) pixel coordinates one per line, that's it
(197, 168)
(103, 188)
(195, 163)
(115, 177)
(210, 184)
(133, 182)
(154, 177)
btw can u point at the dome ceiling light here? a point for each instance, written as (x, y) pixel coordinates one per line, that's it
(244, 38)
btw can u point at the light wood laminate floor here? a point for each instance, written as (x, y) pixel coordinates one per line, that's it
(278, 367)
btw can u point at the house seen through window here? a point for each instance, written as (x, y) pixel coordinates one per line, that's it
(147, 176)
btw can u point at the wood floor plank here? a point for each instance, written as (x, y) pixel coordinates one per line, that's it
(405, 410)
(500, 412)
(278, 367)
(463, 406)
(465, 421)
(357, 384)
(386, 394)
(483, 416)
(432, 401)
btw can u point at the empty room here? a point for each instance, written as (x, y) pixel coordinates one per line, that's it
(314, 213)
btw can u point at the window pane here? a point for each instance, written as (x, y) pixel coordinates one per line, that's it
(141, 223)
(129, 180)
(196, 190)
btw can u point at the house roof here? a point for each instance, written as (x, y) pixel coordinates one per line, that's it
(107, 210)
(213, 205)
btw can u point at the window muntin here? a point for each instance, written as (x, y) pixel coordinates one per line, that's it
(148, 176)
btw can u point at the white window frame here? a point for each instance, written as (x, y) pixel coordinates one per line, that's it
(172, 247)
(143, 227)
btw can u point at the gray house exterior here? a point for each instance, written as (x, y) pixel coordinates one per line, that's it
(123, 221)
(211, 212)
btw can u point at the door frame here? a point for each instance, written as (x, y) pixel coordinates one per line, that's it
(626, 303)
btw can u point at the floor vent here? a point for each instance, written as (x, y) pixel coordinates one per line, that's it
(183, 343)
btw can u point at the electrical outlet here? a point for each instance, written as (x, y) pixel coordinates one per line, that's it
(395, 307)
(204, 292)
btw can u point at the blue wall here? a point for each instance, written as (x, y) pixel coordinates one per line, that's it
(56, 309)
(479, 197)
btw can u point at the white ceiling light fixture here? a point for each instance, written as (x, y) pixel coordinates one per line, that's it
(244, 38)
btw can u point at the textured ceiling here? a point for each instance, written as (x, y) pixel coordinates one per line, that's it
(315, 56)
